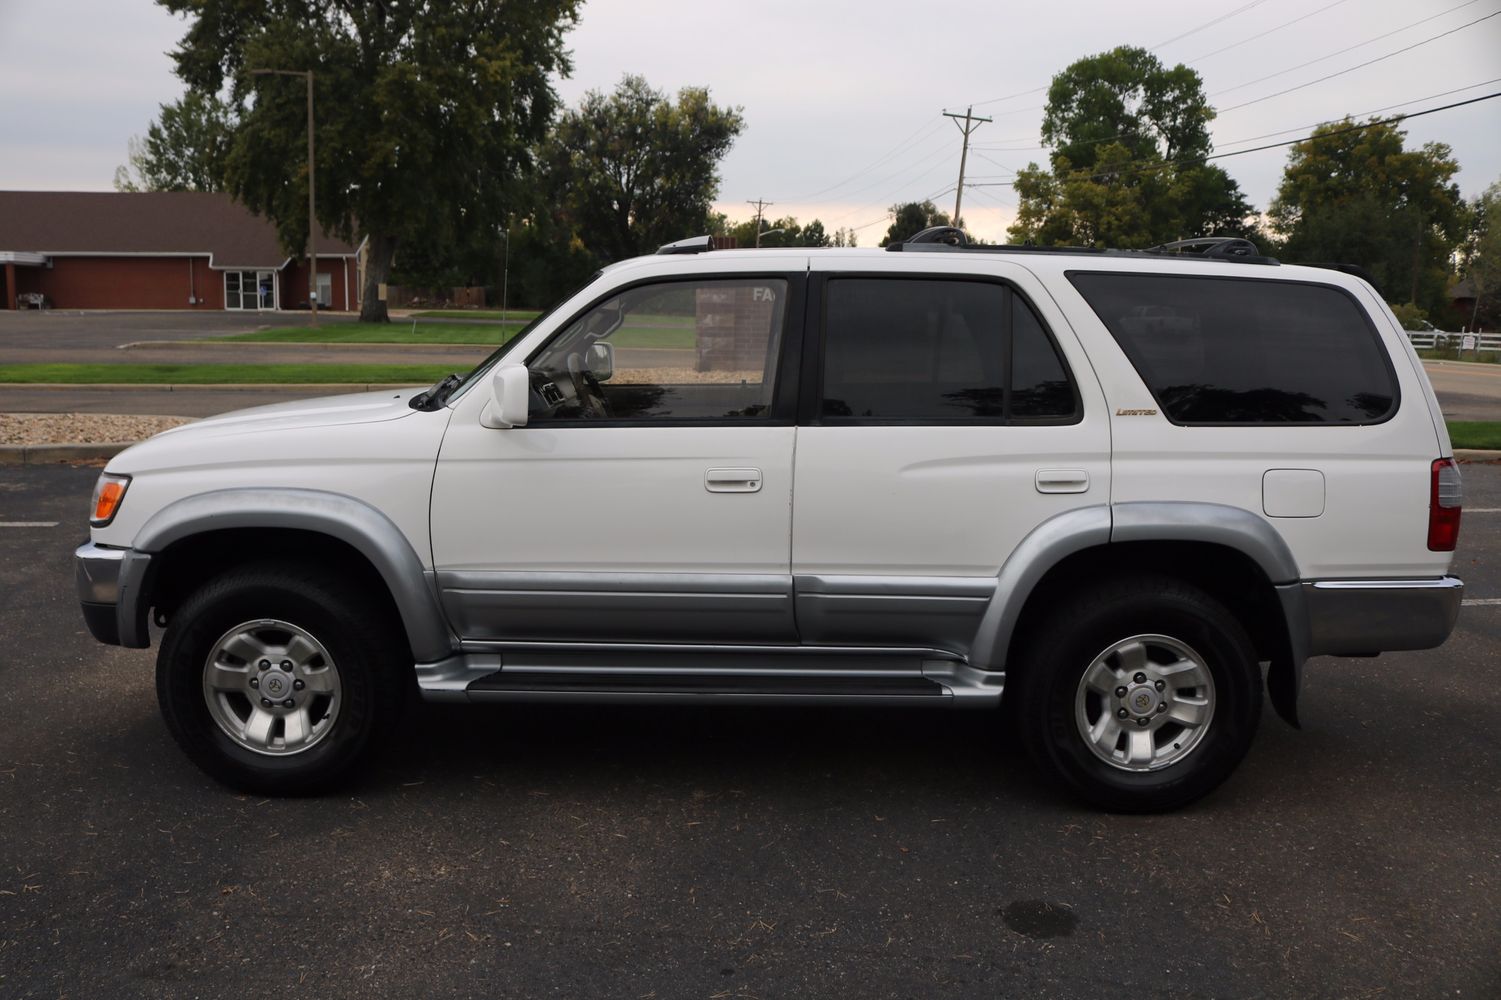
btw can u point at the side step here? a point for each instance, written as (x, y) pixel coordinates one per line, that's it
(768, 675)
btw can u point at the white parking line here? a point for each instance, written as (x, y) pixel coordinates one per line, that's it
(1481, 601)
(28, 524)
(1483, 510)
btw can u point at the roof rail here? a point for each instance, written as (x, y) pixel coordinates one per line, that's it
(693, 244)
(1225, 249)
(1211, 246)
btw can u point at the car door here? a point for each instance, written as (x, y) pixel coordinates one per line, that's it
(648, 497)
(945, 416)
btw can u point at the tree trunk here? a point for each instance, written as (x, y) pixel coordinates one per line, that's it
(378, 259)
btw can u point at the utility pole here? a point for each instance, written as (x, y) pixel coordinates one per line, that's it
(312, 212)
(971, 122)
(761, 206)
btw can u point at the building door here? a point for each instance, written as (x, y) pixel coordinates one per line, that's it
(265, 289)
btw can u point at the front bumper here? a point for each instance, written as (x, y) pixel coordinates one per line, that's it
(1363, 617)
(109, 583)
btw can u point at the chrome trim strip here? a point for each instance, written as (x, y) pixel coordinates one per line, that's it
(895, 586)
(733, 584)
(1439, 583)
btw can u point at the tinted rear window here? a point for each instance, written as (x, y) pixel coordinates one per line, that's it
(1237, 351)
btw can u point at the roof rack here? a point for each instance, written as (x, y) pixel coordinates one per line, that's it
(693, 244)
(1228, 249)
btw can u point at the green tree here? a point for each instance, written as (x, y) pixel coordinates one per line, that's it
(1127, 137)
(910, 218)
(1356, 195)
(1481, 264)
(427, 113)
(633, 169)
(184, 149)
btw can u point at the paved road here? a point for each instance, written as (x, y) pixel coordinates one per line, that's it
(1467, 391)
(531, 851)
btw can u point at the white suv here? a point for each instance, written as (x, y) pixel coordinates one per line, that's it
(1098, 489)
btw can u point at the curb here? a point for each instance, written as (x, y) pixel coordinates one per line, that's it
(330, 387)
(1477, 455)
(46, 454)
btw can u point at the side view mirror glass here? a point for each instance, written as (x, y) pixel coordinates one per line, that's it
(600, 360)
(510, 390)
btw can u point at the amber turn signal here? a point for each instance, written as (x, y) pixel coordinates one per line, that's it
(109, 491)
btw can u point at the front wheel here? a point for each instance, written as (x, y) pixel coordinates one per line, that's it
(275, 681)
(1142, 694)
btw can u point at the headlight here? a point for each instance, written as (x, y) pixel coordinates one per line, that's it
(109, 493)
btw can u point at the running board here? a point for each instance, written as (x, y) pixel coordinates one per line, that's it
(638, 673)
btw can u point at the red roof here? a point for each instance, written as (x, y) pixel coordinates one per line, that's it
(153, 222)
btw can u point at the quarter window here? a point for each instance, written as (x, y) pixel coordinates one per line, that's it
(918, 350)
(675, 351)
(1246, 351)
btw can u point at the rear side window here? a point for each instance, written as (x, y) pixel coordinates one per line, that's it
(1238, 351)
(913, 350)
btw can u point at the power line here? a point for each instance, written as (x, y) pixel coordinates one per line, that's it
(1362, 114)
(1207, 24)
(1340, 52)
(1252, 38)
(1276, 145)
(1368, 62)
(902, 146)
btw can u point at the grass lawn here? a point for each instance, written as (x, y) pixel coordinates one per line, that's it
(652, 331)
(382, 333)
(213, 374)
(524, 315)
(1475, 433)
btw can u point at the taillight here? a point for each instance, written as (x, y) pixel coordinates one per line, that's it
(1445, 501)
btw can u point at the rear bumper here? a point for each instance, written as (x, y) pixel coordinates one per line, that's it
(1362, 617)
(109, 582)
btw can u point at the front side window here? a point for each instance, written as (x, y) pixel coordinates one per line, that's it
(686, 351)
(1246, 351)
(915, 350)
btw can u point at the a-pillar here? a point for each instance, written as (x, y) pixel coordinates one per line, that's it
(10, 287)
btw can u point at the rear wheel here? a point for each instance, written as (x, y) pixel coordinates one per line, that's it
(1142, 694)
(275, 681)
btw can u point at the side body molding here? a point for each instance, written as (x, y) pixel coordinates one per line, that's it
(1048, 544)
(345, 518)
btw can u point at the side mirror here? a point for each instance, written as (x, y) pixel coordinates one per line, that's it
(510, 391)
(600, 360)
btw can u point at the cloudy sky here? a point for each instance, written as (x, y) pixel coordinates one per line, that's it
(843, 98)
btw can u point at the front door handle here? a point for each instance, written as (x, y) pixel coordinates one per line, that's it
(733, 480)
(1062, 481)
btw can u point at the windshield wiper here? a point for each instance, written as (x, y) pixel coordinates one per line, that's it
(433, 398)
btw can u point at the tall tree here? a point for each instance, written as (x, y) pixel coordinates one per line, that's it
(184, 149)
(427, 112)
(1127, 137)
(910, 218)
(633, 169)
(1356, 195)
(1481, 262)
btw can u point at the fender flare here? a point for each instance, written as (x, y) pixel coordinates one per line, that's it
(336, 515)
(1088, 527)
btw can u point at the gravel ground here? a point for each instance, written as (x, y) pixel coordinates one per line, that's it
(80, 428)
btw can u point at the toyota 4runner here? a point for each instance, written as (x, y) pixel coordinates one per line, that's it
(1104, 492)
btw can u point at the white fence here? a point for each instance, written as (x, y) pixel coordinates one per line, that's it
(1431, 338)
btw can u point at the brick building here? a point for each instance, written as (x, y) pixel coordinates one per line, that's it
(159, 250)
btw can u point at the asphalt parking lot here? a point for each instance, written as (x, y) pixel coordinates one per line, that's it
(591, 852)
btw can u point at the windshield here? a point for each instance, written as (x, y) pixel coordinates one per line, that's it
(484, 366)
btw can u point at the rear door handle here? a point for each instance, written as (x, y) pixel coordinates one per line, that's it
(1062, 481)
(733, 480)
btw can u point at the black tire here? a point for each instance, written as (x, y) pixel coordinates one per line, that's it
(1062, 649)
(369, 653)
